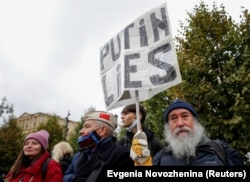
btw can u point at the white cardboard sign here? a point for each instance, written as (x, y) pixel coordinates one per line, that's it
(142, 57)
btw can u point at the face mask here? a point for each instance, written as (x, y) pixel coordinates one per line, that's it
(132, 126)
(88, 141)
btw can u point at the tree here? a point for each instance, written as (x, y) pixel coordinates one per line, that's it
(11, 143)
(241, 80)
(213, 55)
(74, 136)
(155, 108)
(56, 131)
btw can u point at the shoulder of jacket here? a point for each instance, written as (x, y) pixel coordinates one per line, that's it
(52, 163)
(149, 133)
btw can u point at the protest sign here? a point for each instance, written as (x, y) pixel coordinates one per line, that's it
(140, 61)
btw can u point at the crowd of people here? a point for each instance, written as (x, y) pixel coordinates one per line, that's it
(188, 145)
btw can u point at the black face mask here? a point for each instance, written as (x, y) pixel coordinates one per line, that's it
(89, 141)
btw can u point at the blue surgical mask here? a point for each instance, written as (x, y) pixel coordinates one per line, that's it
(89, 141)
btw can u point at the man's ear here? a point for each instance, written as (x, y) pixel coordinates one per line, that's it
(103, 131)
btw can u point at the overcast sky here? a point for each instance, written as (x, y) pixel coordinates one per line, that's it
(49, 49)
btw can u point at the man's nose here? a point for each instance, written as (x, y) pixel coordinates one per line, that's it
(81, 132)
(180, 122)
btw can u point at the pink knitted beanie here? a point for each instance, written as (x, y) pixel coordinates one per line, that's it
(41, 136)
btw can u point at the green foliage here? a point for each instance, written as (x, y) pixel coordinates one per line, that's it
(55, 130)
(121, 133)
(11, 143)
(155, 108)
(74, 136)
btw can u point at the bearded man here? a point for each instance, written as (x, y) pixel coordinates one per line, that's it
(188, 143)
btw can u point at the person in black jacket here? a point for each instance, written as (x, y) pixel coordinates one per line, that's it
(128, 117)
(99, 147)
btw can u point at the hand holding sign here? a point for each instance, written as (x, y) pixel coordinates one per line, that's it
(139, 150)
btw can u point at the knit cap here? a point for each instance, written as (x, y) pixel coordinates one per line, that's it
(179, 104)
(41, 136)
(105, 117)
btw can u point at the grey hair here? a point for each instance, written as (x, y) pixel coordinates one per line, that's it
(185, 147)
(110, 130)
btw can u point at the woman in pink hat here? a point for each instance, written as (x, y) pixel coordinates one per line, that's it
(28, 165)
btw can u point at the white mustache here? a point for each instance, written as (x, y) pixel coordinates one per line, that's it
(184, 128)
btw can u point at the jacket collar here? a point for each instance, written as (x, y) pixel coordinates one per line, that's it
(105, 147)
(147, 131)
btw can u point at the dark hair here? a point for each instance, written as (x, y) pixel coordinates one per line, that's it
(132, 108)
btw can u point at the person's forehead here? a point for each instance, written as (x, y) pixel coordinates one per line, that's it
(125, 111)
(89, 122)
(179, 111)
(31, 140)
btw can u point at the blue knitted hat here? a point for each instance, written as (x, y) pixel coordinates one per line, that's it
(179, 104)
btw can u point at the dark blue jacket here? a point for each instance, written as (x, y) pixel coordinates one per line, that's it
(69, 173)
(108, 153)
(205, 156)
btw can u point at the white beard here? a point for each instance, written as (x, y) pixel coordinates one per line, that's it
(185, 144)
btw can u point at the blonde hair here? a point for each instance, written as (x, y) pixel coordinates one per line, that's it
(60, 149)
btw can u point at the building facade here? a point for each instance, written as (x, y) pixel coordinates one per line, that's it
(29, 122)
